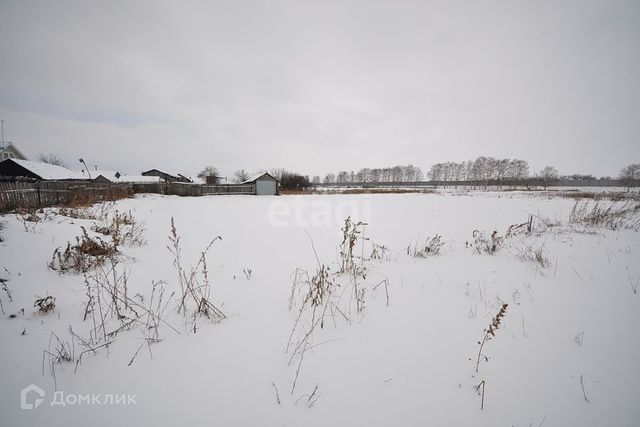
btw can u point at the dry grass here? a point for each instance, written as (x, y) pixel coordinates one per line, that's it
(537, 256)
(7, 292)
(379, 252)
(613, 196)
(30, 218)
(430, 247)
(615, 216)
(312, 295)
(323, 295)
(363, 191)
(195, 288)
(91, 252)
(111, 310)
(351, 233)
(386, 191)
(57, 353)
(482, 244)
(88, 253)
(122, 227)
(79, 207)
(45, 305)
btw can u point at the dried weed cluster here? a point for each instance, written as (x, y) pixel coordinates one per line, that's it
(482, 244)
(122, 227)
(379, 252)
(327, 295)
(46, 304)
(430, 247)
(89, 252)
(616, 216)
(86, 254)
(351, 232)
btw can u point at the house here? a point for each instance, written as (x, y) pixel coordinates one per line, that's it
(15, 168)
(116, 177)
(10, 151)
(266, 185)
(167, 176)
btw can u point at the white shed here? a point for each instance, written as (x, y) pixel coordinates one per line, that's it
(266, 185)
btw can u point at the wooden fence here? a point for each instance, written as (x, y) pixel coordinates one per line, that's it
(25, 195)
(187, 189)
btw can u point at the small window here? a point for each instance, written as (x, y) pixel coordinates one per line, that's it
(11, 156)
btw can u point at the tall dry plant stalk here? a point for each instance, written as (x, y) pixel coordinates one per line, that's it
(351, 232)
(490, 332)
(194, 284)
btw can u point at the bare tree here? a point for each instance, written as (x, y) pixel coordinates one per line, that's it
(241, 175)
(52, 159)
(630, 175)
(330, 178)
(277, 173)
(548, 175)
(210, 174)
(293, 181)
(481, 171)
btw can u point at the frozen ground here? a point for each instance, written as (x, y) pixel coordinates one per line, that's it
(566, 353)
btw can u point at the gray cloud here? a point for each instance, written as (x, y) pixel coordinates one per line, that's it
(321, 86)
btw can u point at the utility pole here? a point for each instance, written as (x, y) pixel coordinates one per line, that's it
(81, 160)
(2, 132)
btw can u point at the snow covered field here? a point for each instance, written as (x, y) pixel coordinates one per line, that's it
(398, 344)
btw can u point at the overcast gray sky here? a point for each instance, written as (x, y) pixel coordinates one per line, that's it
(324, 85)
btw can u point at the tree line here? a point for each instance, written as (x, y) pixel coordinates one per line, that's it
(483, 172)
(408, 173)
(482, 169)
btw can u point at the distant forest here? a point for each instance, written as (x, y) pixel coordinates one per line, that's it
(482, 170)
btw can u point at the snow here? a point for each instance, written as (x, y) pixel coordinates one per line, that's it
(407, 363)
(50, 172)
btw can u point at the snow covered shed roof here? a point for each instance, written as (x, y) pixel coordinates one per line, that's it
(38, 170)
(114, 176)
(258, 176)
(139, 179)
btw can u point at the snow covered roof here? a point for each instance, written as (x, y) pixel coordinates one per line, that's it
(139, 178)
(256, 176)
(111, 176)
(48, 172)
(171, 174)
(8, 146)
